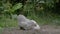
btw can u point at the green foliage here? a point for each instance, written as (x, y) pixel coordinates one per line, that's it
(38, 10)
(1, 30)
(17, 6)
(6, 22)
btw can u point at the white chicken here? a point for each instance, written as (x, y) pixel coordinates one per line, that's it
(27, 24)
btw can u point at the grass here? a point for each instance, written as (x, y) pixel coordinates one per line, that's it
(1, 30)
(48, 19)
(6, 22)
(41, 20)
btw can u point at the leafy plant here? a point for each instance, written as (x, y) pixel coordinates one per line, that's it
(16, 6)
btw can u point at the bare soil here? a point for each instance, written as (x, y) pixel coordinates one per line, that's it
(46, 29)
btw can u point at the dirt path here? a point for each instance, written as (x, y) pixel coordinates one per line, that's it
(44, 30)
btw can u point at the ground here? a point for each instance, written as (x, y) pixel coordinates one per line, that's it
(46, 29)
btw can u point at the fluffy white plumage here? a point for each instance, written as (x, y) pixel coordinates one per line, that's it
(37, 27)
(27, 23)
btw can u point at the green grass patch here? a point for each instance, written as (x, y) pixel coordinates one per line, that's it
(41, 20)
(46, 19)
(6, 22)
